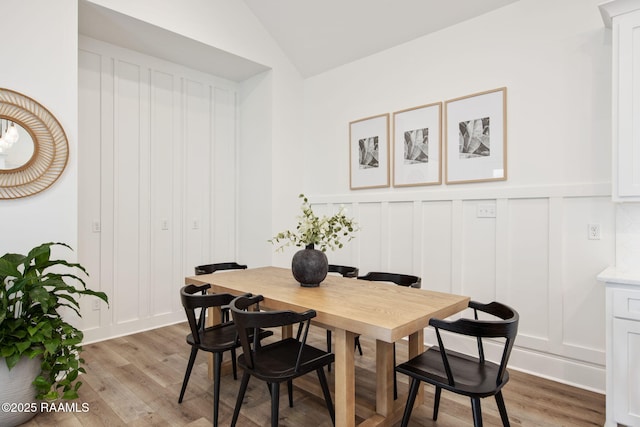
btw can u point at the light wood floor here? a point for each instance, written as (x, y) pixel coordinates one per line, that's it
(135, 381)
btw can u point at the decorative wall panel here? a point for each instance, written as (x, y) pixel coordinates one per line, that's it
(158, 182)
(528, 248)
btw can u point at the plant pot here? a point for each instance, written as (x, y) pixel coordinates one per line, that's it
(309, 267)
(18, 392)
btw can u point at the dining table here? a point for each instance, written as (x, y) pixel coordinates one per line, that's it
(349, 307)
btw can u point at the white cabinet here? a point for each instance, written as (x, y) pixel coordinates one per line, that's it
(623, 16)
(623, 347)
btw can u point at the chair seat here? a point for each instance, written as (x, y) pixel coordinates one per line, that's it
(217, 338)
(221, 338)
(276, 362)
(471, 378)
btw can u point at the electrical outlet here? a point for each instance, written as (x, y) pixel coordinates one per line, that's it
(95, 226)
(164, 224)
(195, 224)
(593, 231)
(95, 305)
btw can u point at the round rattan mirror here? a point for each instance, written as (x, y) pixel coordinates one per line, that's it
(50, 146)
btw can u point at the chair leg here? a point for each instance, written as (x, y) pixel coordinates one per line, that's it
(327, 395)
(357, 344)
(243, 388)
(233, 364)
(275, 403)
(395, 375)
(290, 392)
(503, 409)
(477, 412)
(217, 367)
(436, 403)
(411, 399)
(187, 374)
(329, 346)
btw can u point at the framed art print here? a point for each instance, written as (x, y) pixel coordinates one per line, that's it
(369, 152)
(417, 142)
(476, 137)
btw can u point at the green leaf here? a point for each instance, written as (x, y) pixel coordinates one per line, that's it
(52, 346)
(70, 394)
(23, 346)
(7, 351)
(8, 268)
(40, 382)
(12, 360)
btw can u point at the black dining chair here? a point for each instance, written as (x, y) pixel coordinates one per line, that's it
(397, 278)
(280, 361)
(344, 270)
(350, 272)
(215, 339)
(220, 266)
(400, 280)
(459, 373)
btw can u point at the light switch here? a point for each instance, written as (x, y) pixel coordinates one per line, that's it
(486, 211)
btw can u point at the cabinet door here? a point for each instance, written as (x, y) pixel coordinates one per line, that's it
(626, 371)
(626, 100)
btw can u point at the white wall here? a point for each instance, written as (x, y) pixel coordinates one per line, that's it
(271, 110)
(157, 182)
(167, 144)
(43, 66)
(554, 58)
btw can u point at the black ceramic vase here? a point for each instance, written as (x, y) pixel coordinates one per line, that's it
(309, 266)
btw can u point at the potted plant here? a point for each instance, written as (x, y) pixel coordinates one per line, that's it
(34, 292)
(310, 265)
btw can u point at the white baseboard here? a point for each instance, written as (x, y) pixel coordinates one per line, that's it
(557, 368)
(139, 325)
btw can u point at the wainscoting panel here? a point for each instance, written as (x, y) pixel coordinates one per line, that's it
(126, 202)
(400, 238)
(165, 95)
(371, 244)
(527, 223)
(436, 245)
(527, 247)
(157, 183)
(477, 257)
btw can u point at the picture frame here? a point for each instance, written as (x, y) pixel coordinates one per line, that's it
(417, 146)
(476, 137)
(369, 152)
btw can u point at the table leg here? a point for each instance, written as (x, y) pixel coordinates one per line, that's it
(345, 381)
(287, 331)
(384, 381)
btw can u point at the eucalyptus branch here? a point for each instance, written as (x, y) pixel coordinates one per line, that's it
(322, 232)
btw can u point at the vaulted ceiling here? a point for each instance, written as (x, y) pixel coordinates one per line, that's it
(318, 35)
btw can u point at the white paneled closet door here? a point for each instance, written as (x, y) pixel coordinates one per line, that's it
(157, 192)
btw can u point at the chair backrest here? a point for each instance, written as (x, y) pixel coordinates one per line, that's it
(195, 297)
(249, 322)
(398, 279)
(345, 270)
(212, 268)
(506, 327)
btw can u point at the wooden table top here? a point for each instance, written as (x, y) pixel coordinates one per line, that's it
(383, 311)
